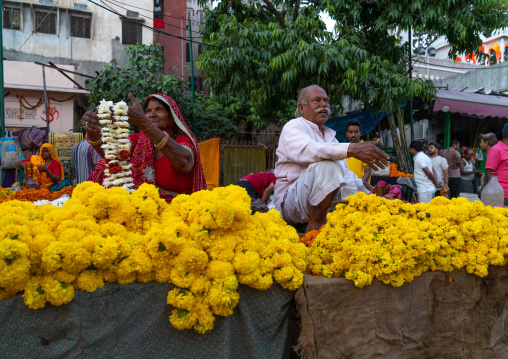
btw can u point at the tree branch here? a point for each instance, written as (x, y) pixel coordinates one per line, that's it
(261, 12)
(296, 11)
(270, 7)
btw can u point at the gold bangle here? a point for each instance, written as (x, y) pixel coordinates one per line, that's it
(94, 142)
(163, 142)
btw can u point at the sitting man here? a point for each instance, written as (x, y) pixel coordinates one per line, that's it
(311, 169)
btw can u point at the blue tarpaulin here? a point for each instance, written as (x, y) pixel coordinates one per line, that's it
(368, 120)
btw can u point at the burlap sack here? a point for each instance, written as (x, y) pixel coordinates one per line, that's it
(438, 315)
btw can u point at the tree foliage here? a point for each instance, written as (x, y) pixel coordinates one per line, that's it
(264, 52)
(144, 75)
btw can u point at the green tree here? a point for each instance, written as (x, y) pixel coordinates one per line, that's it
(264, 52)
(145, 75)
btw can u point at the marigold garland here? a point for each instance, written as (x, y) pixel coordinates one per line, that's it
(373, 237)
(206, 244)
(394, 172)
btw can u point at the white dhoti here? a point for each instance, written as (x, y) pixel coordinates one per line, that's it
(314, 184)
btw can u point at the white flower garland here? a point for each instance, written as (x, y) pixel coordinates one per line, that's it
(115, 138)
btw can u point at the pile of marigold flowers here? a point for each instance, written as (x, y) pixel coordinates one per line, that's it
(394, 172)
(373, 237)
(6, 193)
(32, 194)
(205, 244)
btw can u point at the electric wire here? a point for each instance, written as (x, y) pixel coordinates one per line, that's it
(149, 27)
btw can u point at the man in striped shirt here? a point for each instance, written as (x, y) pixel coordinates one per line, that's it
(84, 159)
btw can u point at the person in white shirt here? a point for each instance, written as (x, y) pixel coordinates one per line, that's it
(439, 164)
(311, 169)
(425, 178)
(468, 171)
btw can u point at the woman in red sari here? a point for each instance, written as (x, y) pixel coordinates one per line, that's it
(165, 153)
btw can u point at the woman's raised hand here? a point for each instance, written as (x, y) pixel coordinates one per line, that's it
(90, 122)
(137, 115)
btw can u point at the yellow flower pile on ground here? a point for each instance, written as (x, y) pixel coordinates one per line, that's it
(206, 244)
(6, 193)
(373, 237)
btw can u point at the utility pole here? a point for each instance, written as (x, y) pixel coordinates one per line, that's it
(194, 122)
(410, 73)
(2, 105)
(45, 98)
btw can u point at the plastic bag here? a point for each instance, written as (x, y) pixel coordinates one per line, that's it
(10, 151)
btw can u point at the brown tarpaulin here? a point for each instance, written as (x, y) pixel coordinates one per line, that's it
(438, 315)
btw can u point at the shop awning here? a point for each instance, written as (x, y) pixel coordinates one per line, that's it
(50, 89)
(471, 104)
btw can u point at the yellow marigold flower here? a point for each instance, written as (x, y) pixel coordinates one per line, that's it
(14, 264)
(191, 260)
(182, 319)
(33, 295)
(246, 262)
(205, 320)
(182, 278)
(56, 292)
(181, 299)
(89, 281)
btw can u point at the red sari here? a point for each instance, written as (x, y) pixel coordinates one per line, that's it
(161, 172)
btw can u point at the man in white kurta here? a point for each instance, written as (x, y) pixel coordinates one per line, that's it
(311, 169)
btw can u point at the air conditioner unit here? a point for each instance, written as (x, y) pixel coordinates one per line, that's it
(423, 129)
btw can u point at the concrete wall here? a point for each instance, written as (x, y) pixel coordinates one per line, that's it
(492, 78)
(61, 113)
(60, 105)
(105, 44)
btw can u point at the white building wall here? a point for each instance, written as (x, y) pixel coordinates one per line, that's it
(106, 30)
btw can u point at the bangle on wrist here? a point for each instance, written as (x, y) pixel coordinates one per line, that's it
(94, 142)
(149, 127)
(163, 142)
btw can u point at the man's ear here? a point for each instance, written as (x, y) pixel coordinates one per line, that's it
(300, 107)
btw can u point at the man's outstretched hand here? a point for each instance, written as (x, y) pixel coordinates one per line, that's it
(369, 153)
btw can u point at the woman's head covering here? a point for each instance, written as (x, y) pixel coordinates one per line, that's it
(38, 160)
(142, 156)
(199, 181)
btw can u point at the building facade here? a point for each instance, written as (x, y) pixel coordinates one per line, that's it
(75, 35)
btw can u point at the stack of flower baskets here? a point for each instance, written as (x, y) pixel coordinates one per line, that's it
(116, 144)
(205, 244)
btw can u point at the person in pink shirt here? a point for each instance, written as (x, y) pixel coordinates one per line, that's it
(311, 169)
(497, 161)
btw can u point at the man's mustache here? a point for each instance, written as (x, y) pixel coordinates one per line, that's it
(323, 109)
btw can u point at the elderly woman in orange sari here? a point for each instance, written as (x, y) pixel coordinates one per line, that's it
(47, 168)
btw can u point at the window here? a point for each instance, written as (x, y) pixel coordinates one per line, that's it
(131, 33)
(187, 52)
(81, 26)
(45, 22)
(200, 49)
(12, 18)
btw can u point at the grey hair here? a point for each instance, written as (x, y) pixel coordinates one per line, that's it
(302, 99)
(490, 138)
